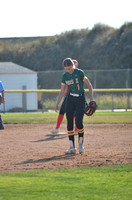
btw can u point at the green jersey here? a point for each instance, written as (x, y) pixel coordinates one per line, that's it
(74, 81)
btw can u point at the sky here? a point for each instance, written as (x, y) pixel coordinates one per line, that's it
(31, 18)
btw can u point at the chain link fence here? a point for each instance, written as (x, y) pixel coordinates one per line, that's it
(99, 79)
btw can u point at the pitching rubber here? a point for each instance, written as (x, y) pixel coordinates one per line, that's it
(57, 134)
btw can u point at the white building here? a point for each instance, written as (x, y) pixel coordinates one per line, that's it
(16, 77)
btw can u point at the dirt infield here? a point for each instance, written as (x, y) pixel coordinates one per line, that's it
(27, 147)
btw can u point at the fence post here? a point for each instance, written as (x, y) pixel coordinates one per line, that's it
(4, 108)
(24, 99)
(42, 102)
(112, 102)
(127, 86)
(95, 84)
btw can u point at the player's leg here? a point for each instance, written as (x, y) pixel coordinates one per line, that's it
(61, 113)
(60, 117)
(70, 109)
(1, 123)
(79, 122)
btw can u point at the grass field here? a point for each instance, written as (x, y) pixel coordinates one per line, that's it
(99, 117)
(97, 183)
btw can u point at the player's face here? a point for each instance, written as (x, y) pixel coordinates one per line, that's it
(69, 69)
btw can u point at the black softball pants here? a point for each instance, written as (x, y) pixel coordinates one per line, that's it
(75, 106)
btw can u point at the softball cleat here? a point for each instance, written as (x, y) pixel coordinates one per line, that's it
(55, 131)
(81, 148)
(72, 150)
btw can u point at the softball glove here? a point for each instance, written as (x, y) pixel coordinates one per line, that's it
(90, 108)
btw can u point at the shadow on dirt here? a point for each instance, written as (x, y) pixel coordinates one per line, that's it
(53, 158)
(50, 138)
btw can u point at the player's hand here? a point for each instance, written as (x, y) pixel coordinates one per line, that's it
(56, 108)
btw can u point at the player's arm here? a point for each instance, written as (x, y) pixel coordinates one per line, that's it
(61, 95)
(88, 84)
(3, 97)
(2, 93)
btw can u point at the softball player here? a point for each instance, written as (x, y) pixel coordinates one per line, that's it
(2, 100)
(74, 79)
(63, 110)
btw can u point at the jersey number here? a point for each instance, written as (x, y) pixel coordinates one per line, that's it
(77, 84)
